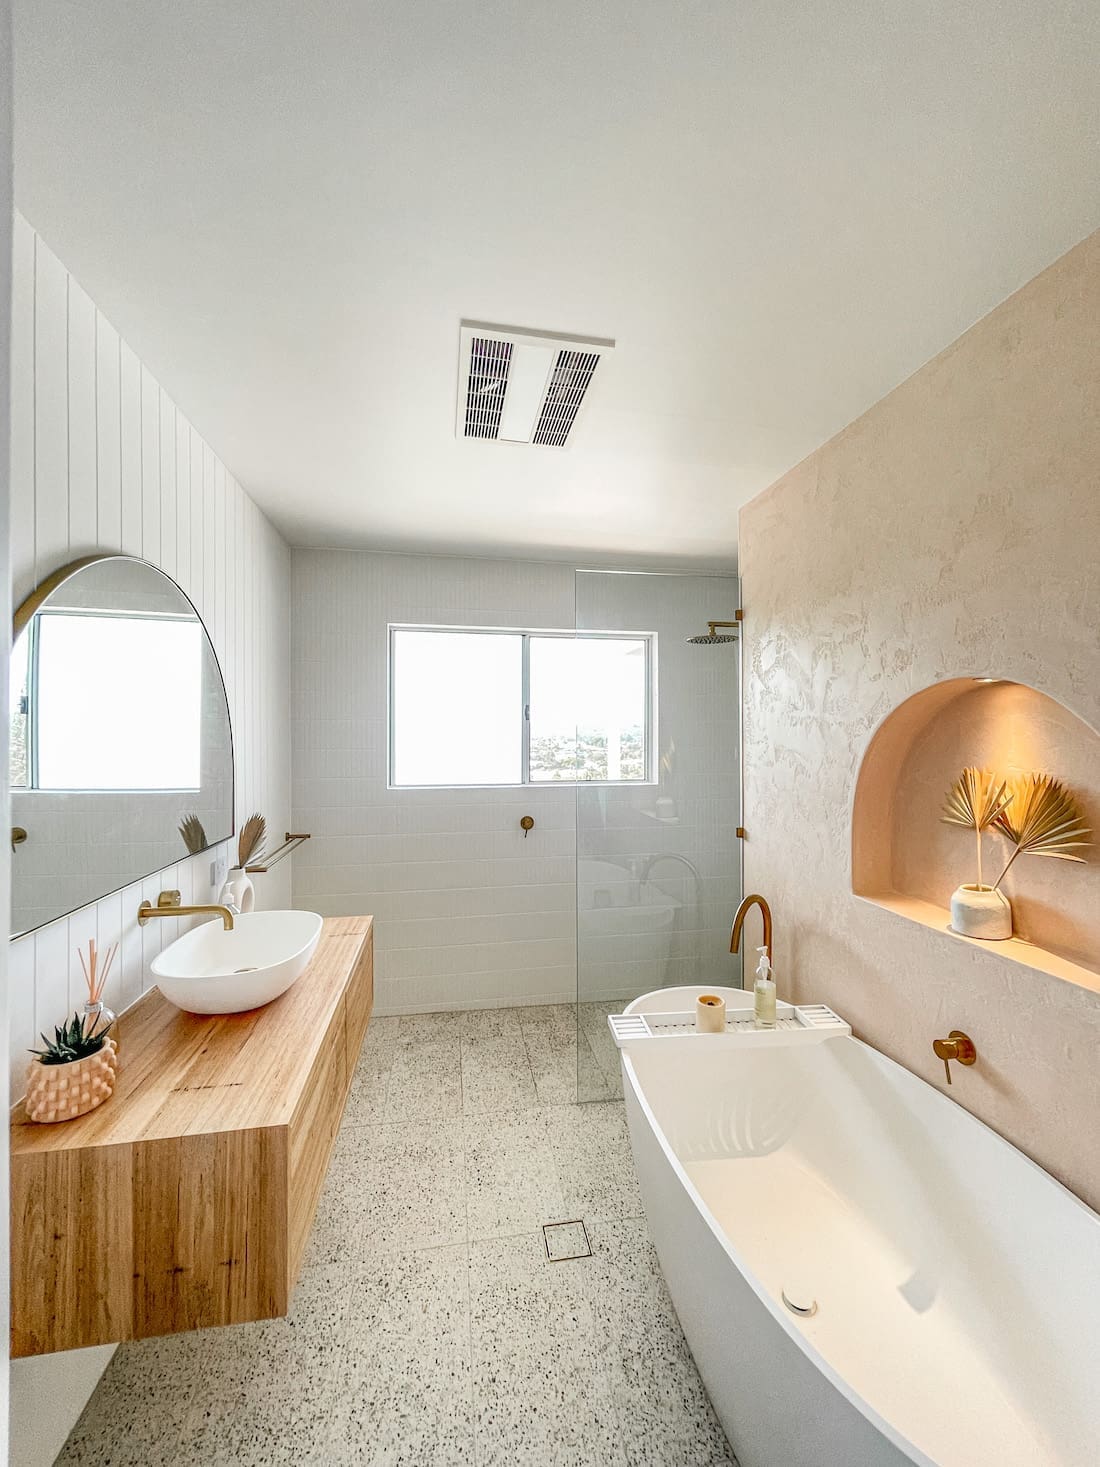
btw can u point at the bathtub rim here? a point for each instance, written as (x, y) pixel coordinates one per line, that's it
(773, 1305)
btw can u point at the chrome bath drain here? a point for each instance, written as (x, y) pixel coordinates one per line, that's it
(799, 1303)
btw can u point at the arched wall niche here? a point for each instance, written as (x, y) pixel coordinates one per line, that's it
(905, 858)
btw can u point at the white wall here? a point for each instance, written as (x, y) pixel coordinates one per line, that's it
(468, 912)
(5, 570)
(103, 459)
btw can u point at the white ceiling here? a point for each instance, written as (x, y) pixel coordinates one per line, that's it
(778, 210)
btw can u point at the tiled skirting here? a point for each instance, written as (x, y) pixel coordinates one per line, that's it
(429, 1326)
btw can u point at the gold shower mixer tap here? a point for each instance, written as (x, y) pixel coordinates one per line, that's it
(957, 1046)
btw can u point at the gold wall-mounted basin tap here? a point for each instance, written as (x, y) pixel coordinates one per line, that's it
(168, 905)
(957, 1046)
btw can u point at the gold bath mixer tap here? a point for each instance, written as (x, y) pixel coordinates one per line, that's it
(755, 900)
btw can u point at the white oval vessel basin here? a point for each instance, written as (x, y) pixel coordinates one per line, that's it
(211, 971)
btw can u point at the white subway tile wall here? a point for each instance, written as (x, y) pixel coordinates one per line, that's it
(102, 459)
(468, 912)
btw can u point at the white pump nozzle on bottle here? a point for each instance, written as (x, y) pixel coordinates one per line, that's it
(764, 993)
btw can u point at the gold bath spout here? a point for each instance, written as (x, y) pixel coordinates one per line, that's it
(755, 900)
(168, 905)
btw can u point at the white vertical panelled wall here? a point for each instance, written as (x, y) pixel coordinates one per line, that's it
(468, 913)
(102, 459)
(5, 576)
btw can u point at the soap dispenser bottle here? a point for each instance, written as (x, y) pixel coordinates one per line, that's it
(764, 993)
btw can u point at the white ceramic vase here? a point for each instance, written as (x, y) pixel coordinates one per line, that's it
(238, 891)
(981, 911)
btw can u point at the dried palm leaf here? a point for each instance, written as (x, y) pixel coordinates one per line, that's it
(1043, 820)
(194, 837)
(251, 838)
(976, 799)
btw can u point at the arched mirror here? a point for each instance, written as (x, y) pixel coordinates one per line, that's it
(121, 748)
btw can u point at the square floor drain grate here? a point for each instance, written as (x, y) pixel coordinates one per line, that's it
(566, 1240)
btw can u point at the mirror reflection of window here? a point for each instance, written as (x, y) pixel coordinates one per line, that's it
(117, 702)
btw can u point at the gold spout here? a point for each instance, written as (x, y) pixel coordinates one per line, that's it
(739, 921)
(168, 905)
(957, 1046)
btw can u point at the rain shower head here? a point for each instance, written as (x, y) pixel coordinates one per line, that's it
(714, 638)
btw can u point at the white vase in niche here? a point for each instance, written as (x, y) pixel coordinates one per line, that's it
(238, 891)
(981, 911)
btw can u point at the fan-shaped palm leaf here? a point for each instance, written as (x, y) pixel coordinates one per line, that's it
(976, 799)
(194, 837)
(251, 838)
(1043, 820)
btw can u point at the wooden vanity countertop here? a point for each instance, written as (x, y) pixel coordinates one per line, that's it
(190, 1074)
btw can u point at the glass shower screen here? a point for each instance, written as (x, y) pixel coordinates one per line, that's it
(658, 856)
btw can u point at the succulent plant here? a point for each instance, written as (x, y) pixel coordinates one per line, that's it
(71, 1042)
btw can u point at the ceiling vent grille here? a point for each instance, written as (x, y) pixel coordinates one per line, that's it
(487, 383)
(523, 386)
(573, 373)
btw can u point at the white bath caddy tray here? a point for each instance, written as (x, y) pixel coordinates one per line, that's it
(802, 1022)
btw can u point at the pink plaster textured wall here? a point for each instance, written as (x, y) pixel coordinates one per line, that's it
(952, 531)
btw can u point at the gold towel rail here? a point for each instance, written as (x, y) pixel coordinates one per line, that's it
(268, 859)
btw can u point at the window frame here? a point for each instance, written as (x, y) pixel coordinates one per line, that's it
(526, 634)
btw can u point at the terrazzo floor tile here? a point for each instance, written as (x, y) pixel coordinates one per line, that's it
(444, 1025)
(496, 1075)
(592, 1154)
(592, 1024)
(425, 1081)
(664, 1413)
(367, 1095)
(391, 1189)
(137, 1413)
(560, 1064)
(542, 1391)
(511, 1182)
(405, 1396)
(489, 1023)
(559, 1018)
(381, 1036)
(407, 1346)
(265, 1389)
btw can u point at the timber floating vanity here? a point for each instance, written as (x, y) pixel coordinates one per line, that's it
(186, 1200)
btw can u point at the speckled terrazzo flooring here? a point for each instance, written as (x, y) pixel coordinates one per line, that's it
(428, 1327)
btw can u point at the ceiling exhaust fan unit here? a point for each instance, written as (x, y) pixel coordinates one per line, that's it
(518, 386)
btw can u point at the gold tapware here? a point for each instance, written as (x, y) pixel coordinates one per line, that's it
(168, 905)
(714, 637)
(755, 900)
(958, 1047)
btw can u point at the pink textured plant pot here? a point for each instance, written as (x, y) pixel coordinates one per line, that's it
(63, 1092)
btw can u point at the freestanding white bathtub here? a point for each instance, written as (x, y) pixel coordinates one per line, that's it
(957, 1286)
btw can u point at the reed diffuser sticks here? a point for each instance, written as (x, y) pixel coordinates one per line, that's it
(96, 971)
